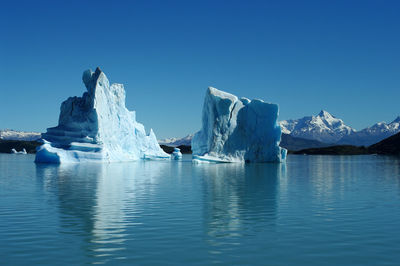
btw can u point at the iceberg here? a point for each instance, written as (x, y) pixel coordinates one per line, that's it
(14, 151)
(237, 130)
(98, 127)
(176, 154)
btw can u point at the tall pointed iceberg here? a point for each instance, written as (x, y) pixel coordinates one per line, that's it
(237, 130)
(97, 127)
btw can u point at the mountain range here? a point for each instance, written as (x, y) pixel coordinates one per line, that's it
(373, 134)
(9, 134)
(175, 142)
(323, 127)
(326, 128)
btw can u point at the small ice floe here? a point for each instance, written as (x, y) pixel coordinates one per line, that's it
(14, 151)
(211, 159)
(176, 154)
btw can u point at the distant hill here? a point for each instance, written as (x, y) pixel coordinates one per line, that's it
(335, 150)
(7, 145)
(388, 146)
(294, 144)
(184, 149)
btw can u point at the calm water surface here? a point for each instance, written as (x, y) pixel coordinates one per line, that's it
(315, 210)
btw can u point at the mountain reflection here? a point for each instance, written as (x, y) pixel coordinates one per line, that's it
(239, 198)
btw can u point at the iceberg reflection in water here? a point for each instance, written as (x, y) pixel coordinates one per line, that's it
(99, 202)
(124, 210)
(239, 199)
(312, 210)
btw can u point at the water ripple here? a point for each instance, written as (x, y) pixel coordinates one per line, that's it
(326, 210)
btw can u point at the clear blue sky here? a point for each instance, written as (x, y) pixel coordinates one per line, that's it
(342, 56)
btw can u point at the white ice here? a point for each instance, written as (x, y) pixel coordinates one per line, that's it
(98, 127)
(237, 130)
(14, 151)
(176, 154)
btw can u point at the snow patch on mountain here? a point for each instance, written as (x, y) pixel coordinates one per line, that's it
(372, 134)
(174, 142)
(323, 127)
(9, 134)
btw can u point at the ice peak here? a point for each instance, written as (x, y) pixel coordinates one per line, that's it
(324, 113)
(222, 94)
(90, 78)
(212, 90)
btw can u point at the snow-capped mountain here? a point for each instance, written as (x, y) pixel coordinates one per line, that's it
(373, 134)
(323, 127)
(173, 142)
(328, 129)
(9, 134)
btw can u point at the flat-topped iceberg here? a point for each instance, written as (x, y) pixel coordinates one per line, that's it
(98, 127)
(237, 130)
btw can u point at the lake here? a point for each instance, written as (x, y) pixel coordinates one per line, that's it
(313, 210)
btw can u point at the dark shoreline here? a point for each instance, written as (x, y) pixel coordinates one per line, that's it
(29, 146)
(388, 146)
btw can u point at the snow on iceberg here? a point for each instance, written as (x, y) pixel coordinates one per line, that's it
(98, 127)
(237, 130)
